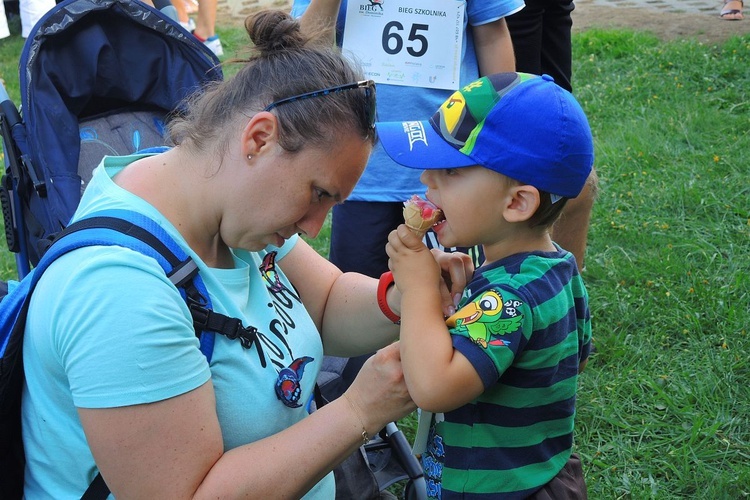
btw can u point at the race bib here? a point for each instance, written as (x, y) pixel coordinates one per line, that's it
(416, 43)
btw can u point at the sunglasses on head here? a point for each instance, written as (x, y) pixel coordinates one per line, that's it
(368, 85)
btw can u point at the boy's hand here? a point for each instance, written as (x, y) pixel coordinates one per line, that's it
(412, 268)
(411, 262)
(457, 269)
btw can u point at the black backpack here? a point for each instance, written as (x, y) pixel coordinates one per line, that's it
(112, 227)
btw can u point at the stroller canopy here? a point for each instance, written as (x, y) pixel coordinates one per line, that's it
(90, 57)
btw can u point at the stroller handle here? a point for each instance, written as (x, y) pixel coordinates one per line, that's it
(9, 109)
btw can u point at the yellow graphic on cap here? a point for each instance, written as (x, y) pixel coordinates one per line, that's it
(474, 85)
(452, 110)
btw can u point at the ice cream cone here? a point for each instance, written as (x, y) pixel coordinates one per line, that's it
(420, 215)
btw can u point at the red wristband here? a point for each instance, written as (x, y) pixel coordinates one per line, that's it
(386, 280)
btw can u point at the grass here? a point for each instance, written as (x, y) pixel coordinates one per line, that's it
(664, 404)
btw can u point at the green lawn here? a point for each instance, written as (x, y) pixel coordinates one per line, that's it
(664, 404)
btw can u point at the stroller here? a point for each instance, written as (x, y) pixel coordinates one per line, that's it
(389, 457)
(100, 77)
(97, 77)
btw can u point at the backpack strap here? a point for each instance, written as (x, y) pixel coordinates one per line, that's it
(97, 490)
(140, 233)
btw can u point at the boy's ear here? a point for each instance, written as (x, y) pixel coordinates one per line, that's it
(260, 133)
(524, 201)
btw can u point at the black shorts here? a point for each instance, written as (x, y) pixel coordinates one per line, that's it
(568, 484)
(360, 230)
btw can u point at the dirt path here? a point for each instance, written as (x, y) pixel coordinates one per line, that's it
(705, 26)
(698, 19)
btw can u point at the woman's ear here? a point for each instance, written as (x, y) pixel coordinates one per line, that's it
(524, 201)
(260, 133)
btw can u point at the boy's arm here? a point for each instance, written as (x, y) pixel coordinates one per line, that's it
(494, 47)
(438, 377)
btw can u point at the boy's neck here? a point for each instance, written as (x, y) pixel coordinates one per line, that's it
(522, 241)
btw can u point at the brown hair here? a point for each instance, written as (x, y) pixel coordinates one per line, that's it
(284, 62)
(547, 212)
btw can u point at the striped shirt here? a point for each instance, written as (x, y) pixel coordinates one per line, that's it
(524, 324)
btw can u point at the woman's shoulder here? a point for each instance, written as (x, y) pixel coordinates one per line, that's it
(112, 275)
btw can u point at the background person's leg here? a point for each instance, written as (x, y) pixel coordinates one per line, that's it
(31, 12)
(557, 45)
(205, 26)
(572, 228)
(526, 28)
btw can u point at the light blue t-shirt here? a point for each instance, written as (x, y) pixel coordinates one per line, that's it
(87, 348)
(383, 179)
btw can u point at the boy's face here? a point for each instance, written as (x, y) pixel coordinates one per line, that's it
(472, 200)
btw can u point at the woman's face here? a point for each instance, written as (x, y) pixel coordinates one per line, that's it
(289, 193)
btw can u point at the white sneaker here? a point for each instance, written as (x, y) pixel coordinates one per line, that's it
(214, 44)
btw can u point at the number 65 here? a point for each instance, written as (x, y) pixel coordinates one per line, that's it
(391, 33)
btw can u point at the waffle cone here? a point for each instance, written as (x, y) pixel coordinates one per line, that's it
(415, 220)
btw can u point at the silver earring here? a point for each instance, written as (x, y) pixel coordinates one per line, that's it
(249, 157)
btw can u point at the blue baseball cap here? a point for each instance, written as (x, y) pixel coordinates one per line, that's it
(523, 126)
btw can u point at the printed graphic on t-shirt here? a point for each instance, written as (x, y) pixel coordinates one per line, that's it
(268, 271)
(288, 385)
(487, 318)
(433, 460)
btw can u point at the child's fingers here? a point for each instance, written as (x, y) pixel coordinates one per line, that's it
(408, 238)
(457, 269)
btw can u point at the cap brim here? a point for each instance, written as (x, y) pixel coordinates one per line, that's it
(415, 144)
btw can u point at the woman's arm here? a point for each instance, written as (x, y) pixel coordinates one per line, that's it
(173, 448)
(343, 306)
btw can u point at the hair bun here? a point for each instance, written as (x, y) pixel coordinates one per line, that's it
(273, 31)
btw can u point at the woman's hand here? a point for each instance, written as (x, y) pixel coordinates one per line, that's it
(379, 393)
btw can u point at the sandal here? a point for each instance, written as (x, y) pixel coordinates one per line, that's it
(732, 14)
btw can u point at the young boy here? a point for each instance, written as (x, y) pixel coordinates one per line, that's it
(502, 155)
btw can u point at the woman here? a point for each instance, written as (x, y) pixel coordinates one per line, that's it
(115, 380)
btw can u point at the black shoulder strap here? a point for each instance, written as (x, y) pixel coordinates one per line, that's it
(97, 490)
